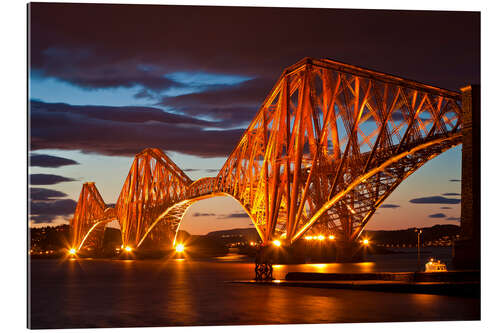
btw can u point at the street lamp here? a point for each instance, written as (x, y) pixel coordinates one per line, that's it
(419, 232)
(179, 248)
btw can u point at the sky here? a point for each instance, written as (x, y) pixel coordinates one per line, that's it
(107, 81)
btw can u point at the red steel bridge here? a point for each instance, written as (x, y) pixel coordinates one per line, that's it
(329, 144)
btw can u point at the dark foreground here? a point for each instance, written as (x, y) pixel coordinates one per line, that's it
(118, 293)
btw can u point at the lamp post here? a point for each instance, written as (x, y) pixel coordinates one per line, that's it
(419, 232)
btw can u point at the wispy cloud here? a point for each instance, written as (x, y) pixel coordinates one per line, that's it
(206, 170)
(203, 214)
(38, 193)
(234, 216)
(234, 105)
(125, 131)
(434, 200)
(389, 206)
(46, 205)
(49, 161)
(48, 179)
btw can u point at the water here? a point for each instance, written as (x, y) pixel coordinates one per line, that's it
(118, 293)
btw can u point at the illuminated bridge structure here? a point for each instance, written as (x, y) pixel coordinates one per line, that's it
(329, 144)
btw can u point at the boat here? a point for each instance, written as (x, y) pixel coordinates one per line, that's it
(435, 266)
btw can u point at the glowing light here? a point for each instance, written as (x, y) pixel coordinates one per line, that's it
(331, 237)
(179, 248)
(308, 237)
(72, 251)
(365, 241)
(277, 243)
(350, 209)
(321, 237)
(128, 249)
(252, 243)
(315, 237)
(435, 265)
(321, 268)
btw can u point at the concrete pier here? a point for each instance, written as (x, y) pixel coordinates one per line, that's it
(466, 250)
(348, 252)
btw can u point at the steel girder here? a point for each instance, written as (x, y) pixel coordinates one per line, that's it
(153, 184)
(90, 218)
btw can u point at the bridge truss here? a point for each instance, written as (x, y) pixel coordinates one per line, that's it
(91, 216)
(329, 144)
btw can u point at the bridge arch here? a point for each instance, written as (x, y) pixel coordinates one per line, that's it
(91, 215)
(179, 210)
(97, 229)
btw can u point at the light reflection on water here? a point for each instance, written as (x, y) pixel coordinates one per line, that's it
(107, 293)
(280, 271)
(233, 257)
(401, 262)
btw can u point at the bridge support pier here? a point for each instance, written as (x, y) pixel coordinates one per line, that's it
(466, 250)
(347, 251)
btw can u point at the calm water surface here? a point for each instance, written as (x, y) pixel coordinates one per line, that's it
(117, 293)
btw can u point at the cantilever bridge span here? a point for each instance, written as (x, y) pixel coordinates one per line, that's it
(329, 144)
